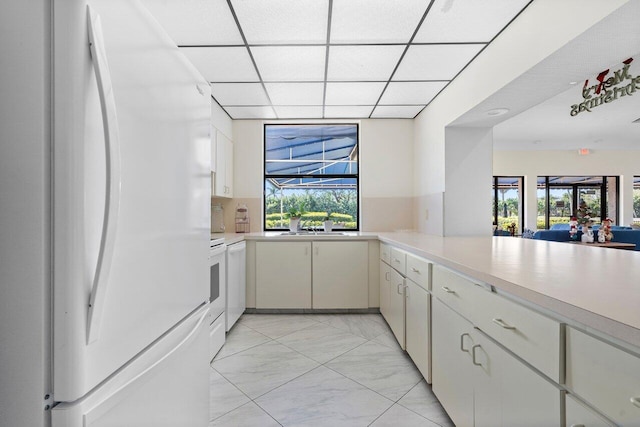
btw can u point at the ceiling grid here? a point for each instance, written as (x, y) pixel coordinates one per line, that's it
(314, 59)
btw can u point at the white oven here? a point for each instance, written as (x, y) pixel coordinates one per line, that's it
(217, 295)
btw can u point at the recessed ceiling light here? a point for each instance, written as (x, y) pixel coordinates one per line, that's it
(497, 111)
(636, 120)
(573, 83)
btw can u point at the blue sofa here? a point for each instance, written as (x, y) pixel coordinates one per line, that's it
(566, 226)
(624, 235)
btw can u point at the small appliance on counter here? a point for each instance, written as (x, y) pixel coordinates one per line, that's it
(242, 219)
(217, 218)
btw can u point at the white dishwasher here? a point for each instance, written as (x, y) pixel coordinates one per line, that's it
(236, 282)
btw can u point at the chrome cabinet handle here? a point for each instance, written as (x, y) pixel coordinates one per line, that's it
(415, 270)
(473, 355)
(577, 425)
(635, 401)
(447, 290)
(386, 276)
(502, 324)
(462, 342)
(398, 289)
(396, 260)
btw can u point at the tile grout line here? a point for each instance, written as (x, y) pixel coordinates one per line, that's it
(324, 364)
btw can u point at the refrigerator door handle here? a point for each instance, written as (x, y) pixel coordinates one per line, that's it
(112, 199)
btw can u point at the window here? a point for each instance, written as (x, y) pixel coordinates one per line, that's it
(314, 169)
(507, 202)
(560, 196)
(636, 199)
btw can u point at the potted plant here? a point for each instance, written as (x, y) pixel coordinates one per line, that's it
(294, 214)
(328, 223)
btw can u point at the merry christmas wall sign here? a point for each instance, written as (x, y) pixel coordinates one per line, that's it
(607, 88)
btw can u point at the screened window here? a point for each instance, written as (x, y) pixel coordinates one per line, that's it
(313, 170)
(507, 203)
(560, 196)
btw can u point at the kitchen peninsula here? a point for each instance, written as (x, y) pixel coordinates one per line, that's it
(511, 327)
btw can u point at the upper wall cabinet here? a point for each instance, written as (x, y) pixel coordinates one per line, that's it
(224, 166)
(214, 156)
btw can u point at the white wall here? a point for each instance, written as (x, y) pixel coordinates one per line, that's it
(467, 153)
(544, 27)
(386, 171)
(532, 164)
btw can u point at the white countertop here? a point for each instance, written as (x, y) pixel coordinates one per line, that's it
(229, 238)
(597, 288)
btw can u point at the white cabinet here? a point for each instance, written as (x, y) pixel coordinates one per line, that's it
(579, 415)
(283, 274)
(305, 274)
(340, 274)
(224, 166)
(451, 363)
(214, 155)
(481, 384)
(417, 331)
(605, 376)
(395, 319)
(385, 286)
(236, 294)
(405, 281)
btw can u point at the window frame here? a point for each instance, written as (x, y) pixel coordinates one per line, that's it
(266, 176)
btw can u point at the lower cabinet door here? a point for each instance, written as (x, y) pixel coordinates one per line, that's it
(385, 286)
(452, 368)
(396, 307)
(283, 274)
(528, 400)
(578, 415)
(418, 330)
(487, 377)
(340, 274)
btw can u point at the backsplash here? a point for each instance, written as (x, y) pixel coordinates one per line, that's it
(378, 213)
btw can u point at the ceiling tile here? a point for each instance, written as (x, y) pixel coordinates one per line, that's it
(196, 22)
(396, 111)
(222, 64)
(297, 112)
(295, 93)
(283, 21)
(398, 93)
(457, 21)
(375, 21)
(363, 63)
(353, 93)
(435, 62)
(347, 111)
(239, 94)
(290, 63)
(251, 112)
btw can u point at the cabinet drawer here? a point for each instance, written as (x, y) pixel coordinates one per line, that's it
(455, 291)
(398, 260)
(385, 253)
(605, 376)
(418, 270)
(532, 336)
(579, 415)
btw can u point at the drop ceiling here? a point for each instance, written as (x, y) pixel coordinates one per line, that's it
(315, 59)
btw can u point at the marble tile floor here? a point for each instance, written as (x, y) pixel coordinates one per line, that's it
(318, 370)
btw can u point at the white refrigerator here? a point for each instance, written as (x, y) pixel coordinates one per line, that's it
(127, 208)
